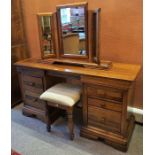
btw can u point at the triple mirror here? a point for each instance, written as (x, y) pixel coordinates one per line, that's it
(72, 24)
(68, 29)
(46, 35)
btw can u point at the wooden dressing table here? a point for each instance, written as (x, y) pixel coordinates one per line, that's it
(105, 98)
(108, 87)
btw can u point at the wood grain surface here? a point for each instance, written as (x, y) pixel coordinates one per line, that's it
(121, 31)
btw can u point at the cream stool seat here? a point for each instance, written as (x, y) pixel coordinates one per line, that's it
(63, 93)
(64, 96)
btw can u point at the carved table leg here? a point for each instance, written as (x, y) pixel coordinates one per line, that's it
(48, 119)
(70, 123)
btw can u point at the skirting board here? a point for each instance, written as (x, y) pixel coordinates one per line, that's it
(138, 114)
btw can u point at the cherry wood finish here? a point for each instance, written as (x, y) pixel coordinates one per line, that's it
(39, 15)
(120, 71)
(105, 110)
(74, 57)
(92, 58)
(121, 41)
(97, 35)
(33, 83)
(105, 98)
(69, 111)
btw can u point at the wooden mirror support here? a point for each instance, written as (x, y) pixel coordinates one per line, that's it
(46, 34)
(102, 64)
(73, 30)
(96, 35)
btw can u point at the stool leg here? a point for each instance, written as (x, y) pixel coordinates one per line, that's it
(48, 120)
(70, 123)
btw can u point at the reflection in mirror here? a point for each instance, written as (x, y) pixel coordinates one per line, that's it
(46, 34)
(73, 30)
(47, 46)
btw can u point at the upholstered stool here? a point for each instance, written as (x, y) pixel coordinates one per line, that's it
(64, 96)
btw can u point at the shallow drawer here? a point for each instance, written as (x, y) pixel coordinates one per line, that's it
(34, 84)
(31, 71)
(104, 119)
(32, 99)
(105, 93)
(106, 82)
(105, 104)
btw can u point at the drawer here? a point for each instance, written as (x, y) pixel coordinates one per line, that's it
(106, 82)
(105, 104)
(34, 84)
(31, 71)
(32, 99)
(105, 93)
(104, 119)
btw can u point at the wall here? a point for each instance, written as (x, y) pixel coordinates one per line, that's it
(121, 31)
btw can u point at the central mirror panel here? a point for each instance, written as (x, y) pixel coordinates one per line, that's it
(72, 20)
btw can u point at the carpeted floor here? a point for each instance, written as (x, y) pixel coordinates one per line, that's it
(29, 137)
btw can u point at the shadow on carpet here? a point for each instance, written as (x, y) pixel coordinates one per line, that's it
(29, 137)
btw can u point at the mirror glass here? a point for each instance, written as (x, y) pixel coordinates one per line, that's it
(46, 37)
(73, 30)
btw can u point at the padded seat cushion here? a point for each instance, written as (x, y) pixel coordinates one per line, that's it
(63, 93)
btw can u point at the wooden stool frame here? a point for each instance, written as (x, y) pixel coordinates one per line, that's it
(69, 110)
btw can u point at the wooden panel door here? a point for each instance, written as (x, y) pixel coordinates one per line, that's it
(18, 47)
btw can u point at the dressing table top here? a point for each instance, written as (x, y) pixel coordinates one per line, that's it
(120, 71)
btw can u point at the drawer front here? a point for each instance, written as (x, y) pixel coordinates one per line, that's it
(31, 71)
(107, 82)
(32, 99)
(105, 104)
(34, 84)
(105, 93)
(104, 119)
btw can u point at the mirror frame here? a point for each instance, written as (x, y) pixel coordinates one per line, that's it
(97, 37)
(52, 55)
(61, 50)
